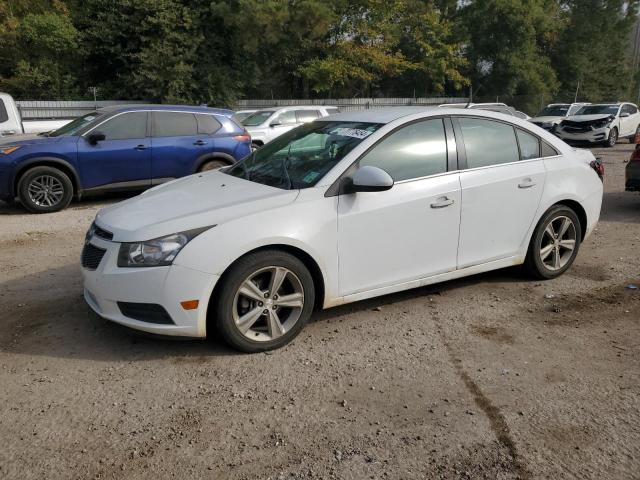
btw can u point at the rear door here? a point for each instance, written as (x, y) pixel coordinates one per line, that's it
(176, 144)
(502, 184)
(122, 159)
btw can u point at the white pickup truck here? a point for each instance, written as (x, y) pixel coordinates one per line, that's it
(11, 123)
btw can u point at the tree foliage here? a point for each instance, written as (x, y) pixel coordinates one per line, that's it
(216, 51)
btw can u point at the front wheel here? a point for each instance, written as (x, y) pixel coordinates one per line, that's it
(45, 190)
(554, 244)
(266, 299)
(212, 165)
(612, 139)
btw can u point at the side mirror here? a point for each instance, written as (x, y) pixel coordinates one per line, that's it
(369, 179)
(96, 137)
(275, 123)
(624, 115)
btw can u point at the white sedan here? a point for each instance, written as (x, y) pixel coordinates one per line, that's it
(355, 206)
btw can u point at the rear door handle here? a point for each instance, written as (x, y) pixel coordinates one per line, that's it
(527, 183)
(199, 142)
(442, 202)
(140, 147)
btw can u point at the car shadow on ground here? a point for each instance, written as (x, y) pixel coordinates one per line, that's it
(623, 207)
(45, 314)
(100, 201)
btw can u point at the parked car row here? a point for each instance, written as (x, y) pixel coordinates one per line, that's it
(591, 124)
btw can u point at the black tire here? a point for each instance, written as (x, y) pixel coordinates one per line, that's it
(534, 264)
(612, 139)
(56, 185)
(212, 165)
(226, 299)
(255, 146)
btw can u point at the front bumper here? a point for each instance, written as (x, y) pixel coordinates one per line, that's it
(598, 135)
(108, 284)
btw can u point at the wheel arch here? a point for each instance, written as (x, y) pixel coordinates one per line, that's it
(53, 162)
(228, 159)
(308, 261)
(580, 212)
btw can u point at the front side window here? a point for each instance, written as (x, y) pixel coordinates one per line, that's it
(529, 145)
(304, 116)
(488, 142)
(125, 126)
(415, 151)
(286, 118)
(75, 126)
(630, 109)
(257, 118)
(302, 156)
(174, 124)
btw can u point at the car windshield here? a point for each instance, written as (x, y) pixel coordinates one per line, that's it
(257, 118)
(73, 127)
(598, 109)
(554, 111)
(302, 156)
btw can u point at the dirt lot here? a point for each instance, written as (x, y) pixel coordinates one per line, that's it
(493, 376)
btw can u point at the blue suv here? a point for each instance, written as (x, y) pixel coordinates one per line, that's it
(118, 148)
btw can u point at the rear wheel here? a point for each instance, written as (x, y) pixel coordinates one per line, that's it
(555, 243)
(45, 190)
(212, 165)
(265, 301)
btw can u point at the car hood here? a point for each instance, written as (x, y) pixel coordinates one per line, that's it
(204, 199)
(547, 119)
(589, 118)
(33, 139)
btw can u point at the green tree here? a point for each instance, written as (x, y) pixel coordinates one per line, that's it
(593, 48)
(509, 44)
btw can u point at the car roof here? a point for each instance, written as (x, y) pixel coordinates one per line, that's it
(170, 108)
(295, 107)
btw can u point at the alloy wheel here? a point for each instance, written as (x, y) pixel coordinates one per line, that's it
(558, 243)
(45, 191)
(268, 303)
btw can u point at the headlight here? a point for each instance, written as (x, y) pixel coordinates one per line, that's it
(157, 252)
(6, 150)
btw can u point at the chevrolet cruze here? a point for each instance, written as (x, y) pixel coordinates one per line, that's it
(348, 207)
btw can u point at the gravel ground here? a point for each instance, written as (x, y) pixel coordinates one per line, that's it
(493, 376)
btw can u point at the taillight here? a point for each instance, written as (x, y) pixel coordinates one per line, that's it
(598, 166)
(635, 156)
(245, 137)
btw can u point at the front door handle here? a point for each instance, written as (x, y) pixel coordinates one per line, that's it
(442, 202)
(140, 147)
(199, 142)
(527, 183)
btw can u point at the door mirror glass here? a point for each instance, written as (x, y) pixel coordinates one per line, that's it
(275, 123)
(95, 137)
(370, 179)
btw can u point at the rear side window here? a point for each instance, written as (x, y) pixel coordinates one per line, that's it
(305, 116)
(488, 142)
(174, 124)
(124, 127)
(332, 110)
(548, 150)
(207, 124)
(4, 116)
(417, 150)
(529, 145)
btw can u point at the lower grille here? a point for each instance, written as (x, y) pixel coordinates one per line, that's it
(92, 256)
(145, 312)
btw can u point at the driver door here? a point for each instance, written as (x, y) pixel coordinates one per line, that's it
(123, 159)
(410, 231)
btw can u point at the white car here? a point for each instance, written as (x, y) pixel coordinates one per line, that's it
(269, 123)
(554, 113)
(11, 123)
(601, 124)
(358, 205)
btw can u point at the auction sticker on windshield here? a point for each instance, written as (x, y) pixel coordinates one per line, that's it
(351, 132)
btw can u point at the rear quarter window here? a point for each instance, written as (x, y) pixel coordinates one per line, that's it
(207, 124)
(4, 116)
